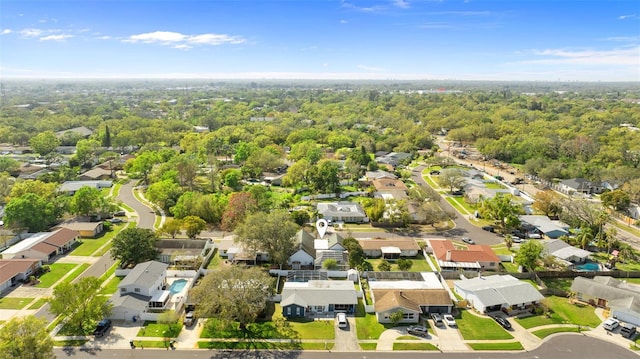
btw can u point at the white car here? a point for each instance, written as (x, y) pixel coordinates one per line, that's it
(611, 324)
(448, 318)
(342, 320)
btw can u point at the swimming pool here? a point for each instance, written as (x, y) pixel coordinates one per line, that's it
(177, 286)
(588, 267)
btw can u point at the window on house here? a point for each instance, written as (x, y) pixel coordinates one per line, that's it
(137, 290)
(123, 290)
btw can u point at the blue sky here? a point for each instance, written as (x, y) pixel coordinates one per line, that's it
(541, 40)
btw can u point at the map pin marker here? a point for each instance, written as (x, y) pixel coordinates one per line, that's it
(321, 226)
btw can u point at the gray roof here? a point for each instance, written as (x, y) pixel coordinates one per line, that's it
(319, 292)
(144, 273)
(563, 250)
(579, 184)
(131, 300)
(82, 131)
(543, 223)
(72, 186)
(618, 293)
(500, 289)
(340, 209)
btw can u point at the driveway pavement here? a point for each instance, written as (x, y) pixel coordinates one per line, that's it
(450, 339)
(346, 339)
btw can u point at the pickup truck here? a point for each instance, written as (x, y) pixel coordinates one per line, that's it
(102, 328)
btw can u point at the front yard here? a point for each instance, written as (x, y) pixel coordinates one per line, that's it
(57, 271)
(562, 312)
(474, 327)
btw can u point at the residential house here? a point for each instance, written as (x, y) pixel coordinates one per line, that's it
(318, 297)
(393, 159)
(14, 270)
(312, 251)
(580, 185)
(237, 253)
(411, 292)
(86, 229)
(379, 174)
(475, 257)
(96, 173)
(43, 246)
(81, 131)
(497, 293)
(344, 211)
(389, 249)
(623, 299)
(141, 290)
(544, 225)
(565, 252)
(183, 253)
(70, 187)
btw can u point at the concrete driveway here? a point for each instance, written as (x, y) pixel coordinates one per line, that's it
(450, 339)
(346, 338)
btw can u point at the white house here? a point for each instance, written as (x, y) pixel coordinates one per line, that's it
(14, 270)
(142, 289)
(312, 251)
(344, 211)
(607, 292)
(565, 252)
(497, 292)
(43, 246)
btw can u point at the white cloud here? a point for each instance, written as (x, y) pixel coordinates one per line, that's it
(106, 37)
(182, 47)
(618, 56)
(182, 41)
(5, 31)
(370, 68)
(61, 37)
(401, 4)
(31, 32)
(344, 21)
(624, 17)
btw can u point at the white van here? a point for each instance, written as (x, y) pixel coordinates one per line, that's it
(611, 324)
(342, 320)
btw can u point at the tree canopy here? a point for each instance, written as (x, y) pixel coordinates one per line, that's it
(272, 232)
(134, 245)
(25, 337)
(80, 305)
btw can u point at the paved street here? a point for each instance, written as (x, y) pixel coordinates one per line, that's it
(146, 216)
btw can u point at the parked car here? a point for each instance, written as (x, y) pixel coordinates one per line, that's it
(119, 213)
(503, 322)
(437, 319)
(434, 172)
(341, 318)
(116, 220)
(189, 319)
(611, 324)
(468, 240)
(102, 328)
(517, 240)
(449, 319)
(534, 235)
(489, 229)
(418, 330)
(628, 330)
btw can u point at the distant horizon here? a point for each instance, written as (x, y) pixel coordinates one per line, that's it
(397, 40)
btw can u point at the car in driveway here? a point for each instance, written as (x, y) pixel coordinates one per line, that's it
(437, 319)
(102, 328)
(189, 319)
(503, 322)
(489, 229)
(468, 240)
(449, 319)
(611, 324)
(418, 330)
(341, 318)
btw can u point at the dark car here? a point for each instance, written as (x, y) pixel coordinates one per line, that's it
(119, 213)
(418, 330)
(434, 172)
(489, 229)
(102, 327)
(503, 322)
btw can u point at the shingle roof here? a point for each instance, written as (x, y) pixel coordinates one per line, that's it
(410, 299)
(403, 244)
(9, 268)
(613, 290)
(319, 292)
(563, 250)
(61, 237)
(473, 253)
(500, 289)
(144, 273)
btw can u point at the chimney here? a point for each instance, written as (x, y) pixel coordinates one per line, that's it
(448, 256)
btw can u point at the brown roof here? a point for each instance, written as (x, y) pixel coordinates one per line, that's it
(61, 237)
(387, 184)
(11, 267)
(372, 244)
(45, 248)
(412, 299)
(473, 253)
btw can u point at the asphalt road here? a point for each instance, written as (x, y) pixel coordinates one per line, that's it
(568, 346)
(146, 216)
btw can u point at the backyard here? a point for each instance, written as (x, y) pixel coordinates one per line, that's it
(419, 264)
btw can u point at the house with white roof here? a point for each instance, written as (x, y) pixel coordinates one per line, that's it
(565, 252)
(141, 290)
(607, 292)
(70, 187)
(544, 225)
(318, 297)
(497, 293)
(43, 246)
(344, 211)
(312, 251)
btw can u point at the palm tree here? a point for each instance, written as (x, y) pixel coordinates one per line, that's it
(584, 237)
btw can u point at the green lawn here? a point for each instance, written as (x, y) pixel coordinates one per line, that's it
(69, 343)
(14, 303)
(367, 326)
(112, 286)
(543, 333)
(38, 304)
(473, 327)
(215, 260)
(562, 312)
(510, 267)
(58, 270)
(414, 346)
(461, 203)
(89, 246)
(76, 272)
(110, 271)
(494, 185)
(559, 283)
(368, 346)
(278, 329)
(419, 264)
(501, 249)
(153, 329)
(496, 346)
(321, 329)
(250, 345)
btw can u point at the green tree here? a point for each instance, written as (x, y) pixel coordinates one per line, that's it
(44, 142)
(171, 319)
(30, 211)
(89, 201)
(584, 237)
(529, 254)
(384, 266)
(298, 174)
(79, 304)
(618, 200)
(25, 337)
(272, 232)
(548, 202)
(6, 184)
(330, 264)
(324, 177)
(87, 151)
(502, 209)
(355, 252)
(45, 190)
(396, 317)
(193, 225)
(404, 264)
(240, 204)
(106, 139)
(9, 165)
(452, 178)
(164, 193)
(172, 227)
(134, 245)
(374, 208)
(233, 294)
(143, 164)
